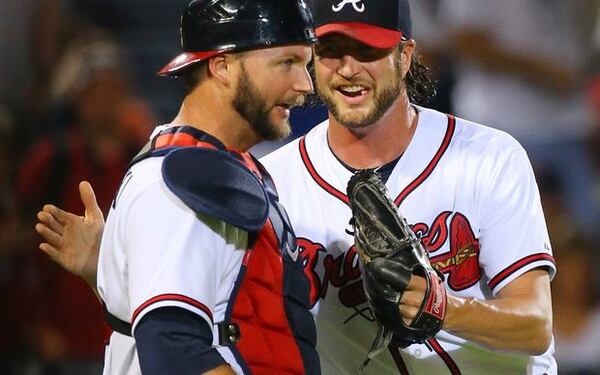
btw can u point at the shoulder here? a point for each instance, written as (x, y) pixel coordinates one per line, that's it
(485, 138)
(142, 182)
(473, 152)
(218, 184)
(281, 155)
(145, 200)
(494, 154)
(469, 139)
(292, 150)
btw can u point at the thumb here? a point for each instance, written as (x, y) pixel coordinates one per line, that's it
(92, 210)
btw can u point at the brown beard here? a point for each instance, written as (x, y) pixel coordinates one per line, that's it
(252, 106)
(381, 103)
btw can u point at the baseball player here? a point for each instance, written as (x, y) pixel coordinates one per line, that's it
(467, 190)
(197, 272)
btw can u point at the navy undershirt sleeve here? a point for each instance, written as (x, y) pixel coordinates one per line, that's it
(172, 340)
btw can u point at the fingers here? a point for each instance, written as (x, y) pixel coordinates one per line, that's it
(415, 292)
(408, 313)
(410, 304)
(53, 238)
(61, 216)
(88, 197)
(417, 283)
(50, 222)
(412, 298)
(49, 249)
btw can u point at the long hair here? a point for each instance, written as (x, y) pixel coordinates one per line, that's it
(420, 86)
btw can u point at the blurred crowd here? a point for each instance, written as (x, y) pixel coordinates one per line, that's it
(78, 98)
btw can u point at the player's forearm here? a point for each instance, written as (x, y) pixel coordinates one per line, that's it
(501, 324)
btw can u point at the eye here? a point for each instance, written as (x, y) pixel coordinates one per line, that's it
(288, 63)
(327, 50)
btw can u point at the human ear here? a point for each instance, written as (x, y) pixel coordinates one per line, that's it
(220, 68)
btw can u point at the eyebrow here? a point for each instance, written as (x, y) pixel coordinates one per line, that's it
(296, 57)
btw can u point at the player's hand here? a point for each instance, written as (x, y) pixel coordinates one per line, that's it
(412, 298)
(73, 241)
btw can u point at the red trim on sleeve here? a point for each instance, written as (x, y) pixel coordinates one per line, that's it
(518, 265)
(432, 164)
(172, 297)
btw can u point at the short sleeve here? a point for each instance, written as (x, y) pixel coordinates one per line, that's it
(513, 234)
(175, 256)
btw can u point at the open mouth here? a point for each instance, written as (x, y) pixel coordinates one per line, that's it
(353, 91)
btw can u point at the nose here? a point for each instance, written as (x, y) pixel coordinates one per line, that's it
(348, 67)
(304, 83)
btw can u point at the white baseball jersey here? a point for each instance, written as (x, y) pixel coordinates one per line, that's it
(468, 190)
(157, 252)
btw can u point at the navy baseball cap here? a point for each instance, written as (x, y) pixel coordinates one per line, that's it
(377, 23)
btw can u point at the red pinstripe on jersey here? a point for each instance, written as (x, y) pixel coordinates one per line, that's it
(409, 189)
(318, 179)
(398, 360)
(432, 164)
(435, 345)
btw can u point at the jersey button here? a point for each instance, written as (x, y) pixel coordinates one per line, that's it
(418, 353)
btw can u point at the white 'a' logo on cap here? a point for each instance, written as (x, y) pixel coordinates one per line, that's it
(356, 4)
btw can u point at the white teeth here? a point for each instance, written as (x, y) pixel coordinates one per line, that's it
(353, 89)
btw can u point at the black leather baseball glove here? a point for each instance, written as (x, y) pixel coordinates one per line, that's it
(390, 254)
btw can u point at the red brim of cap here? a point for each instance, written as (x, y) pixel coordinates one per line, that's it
(184, 60)
(373, 36)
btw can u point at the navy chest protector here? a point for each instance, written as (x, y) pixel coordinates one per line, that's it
(215, 183)
(268, 325)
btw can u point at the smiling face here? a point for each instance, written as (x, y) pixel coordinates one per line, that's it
(270, 82)
(358, 83)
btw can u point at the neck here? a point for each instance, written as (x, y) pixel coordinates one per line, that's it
(207, 109)
(377, 144)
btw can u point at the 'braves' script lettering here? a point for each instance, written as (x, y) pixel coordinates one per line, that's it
(460, 263)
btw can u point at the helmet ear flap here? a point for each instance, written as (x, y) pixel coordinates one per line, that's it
(210, 27)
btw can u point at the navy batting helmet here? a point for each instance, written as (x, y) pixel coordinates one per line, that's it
(210, 27)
